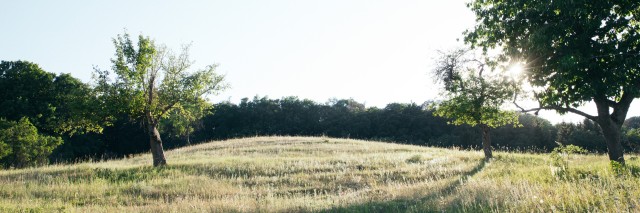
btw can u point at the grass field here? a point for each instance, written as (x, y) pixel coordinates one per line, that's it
(303, 174)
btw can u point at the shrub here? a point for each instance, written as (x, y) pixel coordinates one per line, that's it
(25, 146)
(560, 159)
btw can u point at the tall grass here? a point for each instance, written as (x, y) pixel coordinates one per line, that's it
(298, 174)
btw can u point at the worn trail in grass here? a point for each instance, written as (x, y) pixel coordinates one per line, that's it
(276, 174)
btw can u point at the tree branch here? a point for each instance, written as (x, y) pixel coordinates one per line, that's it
(167, 108)
(612, 103)
(621, 108)
(557, 108)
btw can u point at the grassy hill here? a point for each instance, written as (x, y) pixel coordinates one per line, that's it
(276, 174)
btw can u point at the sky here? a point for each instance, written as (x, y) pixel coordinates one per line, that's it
(374, 51)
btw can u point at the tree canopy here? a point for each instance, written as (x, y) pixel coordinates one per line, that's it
(22, 144)
(575, 52)
(55, 103)
(153, 82)
(475, 93)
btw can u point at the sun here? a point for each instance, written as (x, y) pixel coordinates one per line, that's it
(515, 69)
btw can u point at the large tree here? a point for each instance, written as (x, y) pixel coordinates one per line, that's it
(575, 52)
(475, 92)
(55, 104)
(152, 82)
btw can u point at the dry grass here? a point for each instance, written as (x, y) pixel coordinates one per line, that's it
(297, 174)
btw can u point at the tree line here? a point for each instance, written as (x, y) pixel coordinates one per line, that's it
(57, 118)
(408, 123)
(45, 119)
(53, 118)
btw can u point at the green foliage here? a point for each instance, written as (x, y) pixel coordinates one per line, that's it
(569, 149)
(575, 50)
(461, 110)
(624, 169)
(560, 157)
(25, 91)
(586, 134)
(153, 84)
(151, 78)
(76, 105)
(57, 104)
(631, 133)
(617, 167)
(632, 123)
(185, 119)
(475, 92)
(5, 148)
(632, 137)
(25, 146)
(396, 122)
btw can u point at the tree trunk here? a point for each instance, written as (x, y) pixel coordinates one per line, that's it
(188, 139)
(611, 125)
(157, 152)
(613, 136)
(486, 141)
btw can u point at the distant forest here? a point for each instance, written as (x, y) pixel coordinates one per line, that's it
(407, 123)
(61, 114)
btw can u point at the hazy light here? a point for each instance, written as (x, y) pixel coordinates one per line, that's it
(516, 69)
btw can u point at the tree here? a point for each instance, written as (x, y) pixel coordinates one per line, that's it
(575, 52)
(152, 82)
(25, 146)
(56, 104)
(25, 91)
(185, 119)
(631, 131)
(5, 149)
(632, 122)
(533, 134)
(475, 94)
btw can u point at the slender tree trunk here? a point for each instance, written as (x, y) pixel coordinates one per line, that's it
(157, 152)
(155, 142)
(486, 141)
(188, 139)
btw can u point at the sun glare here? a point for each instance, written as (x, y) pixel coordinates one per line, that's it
(516, 69)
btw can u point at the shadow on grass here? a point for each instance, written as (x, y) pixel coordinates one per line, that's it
(422, 204)
(86, 174)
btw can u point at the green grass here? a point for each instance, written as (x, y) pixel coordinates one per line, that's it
(298, 174)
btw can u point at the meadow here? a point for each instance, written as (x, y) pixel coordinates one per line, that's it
(319, 174)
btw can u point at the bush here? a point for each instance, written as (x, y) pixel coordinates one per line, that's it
(25, 146)
(560, 159)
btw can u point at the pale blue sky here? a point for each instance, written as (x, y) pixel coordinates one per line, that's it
(376, 52)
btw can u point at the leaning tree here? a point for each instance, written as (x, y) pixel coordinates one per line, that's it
(151, 83)
(476, 90)
(575, 52)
